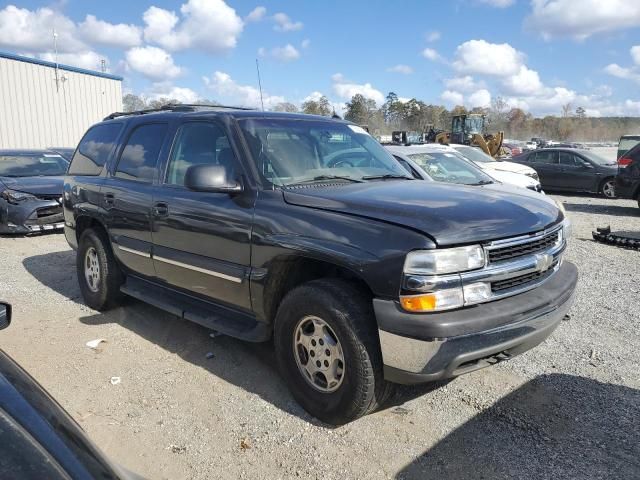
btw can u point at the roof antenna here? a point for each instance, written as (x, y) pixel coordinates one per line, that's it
(55, 58)
(259, 84)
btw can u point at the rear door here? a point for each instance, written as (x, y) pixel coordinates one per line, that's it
(128, 196)
(202, 240)
(546, 163)
(577, 173)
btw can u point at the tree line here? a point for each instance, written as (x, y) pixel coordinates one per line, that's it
(571, 124)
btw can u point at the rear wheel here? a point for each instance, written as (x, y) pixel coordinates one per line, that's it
(328, 350)
(607, 188)
(98, 273)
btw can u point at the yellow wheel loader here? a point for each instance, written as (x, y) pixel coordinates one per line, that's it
(469, 130)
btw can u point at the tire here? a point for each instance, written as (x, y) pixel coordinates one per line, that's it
(347, 312)
(607, 188)
(102, 291)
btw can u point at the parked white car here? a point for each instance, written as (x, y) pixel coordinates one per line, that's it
(444, 164)
(491, 165)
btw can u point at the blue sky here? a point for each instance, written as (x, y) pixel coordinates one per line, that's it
(537, 55)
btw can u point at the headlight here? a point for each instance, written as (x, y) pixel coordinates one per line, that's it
(13, 196)
(446, 260)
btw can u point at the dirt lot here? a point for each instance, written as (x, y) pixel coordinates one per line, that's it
(568, 409)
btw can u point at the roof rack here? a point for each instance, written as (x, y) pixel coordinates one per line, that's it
(174, 107)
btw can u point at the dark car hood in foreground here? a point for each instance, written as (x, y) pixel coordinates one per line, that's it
(450, 214)
(34, 185)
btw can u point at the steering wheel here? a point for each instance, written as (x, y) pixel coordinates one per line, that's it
(341, 160)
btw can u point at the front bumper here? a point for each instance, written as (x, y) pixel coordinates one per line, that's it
(419, 348)
(30, 216)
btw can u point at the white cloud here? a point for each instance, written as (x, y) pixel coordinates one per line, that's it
(400, 68)
(168, 90)
(346, 89)
(285, 24)
(288, 53)
(451, 97)
(431, 54)
(305, 43)
(462, 84)
(635, 54)
(525, 82)
(616, 70)
(210, 25)
(482, 57)
(104, 33)
(32, 30)
(256, 15)
(481, 98)
(89, 60)
(152, 62)
(498, 3)
(244, 95)
(315, 96)
(581, 19)
(433, 36)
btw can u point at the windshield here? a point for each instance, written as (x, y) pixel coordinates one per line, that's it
(594, 157)
(449, 167)
(474, 154)
(32, 165)
(474, 124)
(289, 151)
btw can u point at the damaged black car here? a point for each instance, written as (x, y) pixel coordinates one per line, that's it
(31, 191)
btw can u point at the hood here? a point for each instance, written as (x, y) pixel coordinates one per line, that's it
(512, 178)
(34, 185)
(449, 214)
(503, 166)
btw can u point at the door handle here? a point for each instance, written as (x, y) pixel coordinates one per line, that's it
(109, 199)
(160, 209)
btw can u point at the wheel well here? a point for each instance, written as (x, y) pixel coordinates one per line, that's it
(288, 273)
(605, 180)
(82, 223)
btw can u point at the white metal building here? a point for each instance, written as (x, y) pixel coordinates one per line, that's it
(43, 105)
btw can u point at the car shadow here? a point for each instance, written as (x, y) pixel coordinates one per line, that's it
(555, 426)
(600, 209)
(250, 366)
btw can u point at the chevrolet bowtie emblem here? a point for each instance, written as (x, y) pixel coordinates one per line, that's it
(543, 262)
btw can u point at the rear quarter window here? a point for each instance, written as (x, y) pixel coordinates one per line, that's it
(94, 149)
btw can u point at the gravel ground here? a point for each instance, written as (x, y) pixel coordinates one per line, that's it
(567, 409)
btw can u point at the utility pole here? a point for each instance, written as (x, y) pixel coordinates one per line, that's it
(55, 58)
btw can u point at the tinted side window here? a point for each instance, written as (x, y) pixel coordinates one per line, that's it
(569, 159)
(199, 143)
(94, 149)
(546, 157)
(139, 157)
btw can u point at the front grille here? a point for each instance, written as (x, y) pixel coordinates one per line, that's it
(56, 198)
(508, 252)
(501, 285)
(48, 211)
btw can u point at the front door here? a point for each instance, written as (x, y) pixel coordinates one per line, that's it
(576, 173)
(202, 240)
(128, 195)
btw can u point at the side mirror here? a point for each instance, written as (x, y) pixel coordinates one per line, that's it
(5, 315)
(211, 178)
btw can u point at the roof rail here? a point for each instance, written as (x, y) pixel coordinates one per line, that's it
(173, 107)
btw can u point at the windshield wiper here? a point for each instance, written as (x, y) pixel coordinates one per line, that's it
(386, 176)
(321, 178)
(481, 182)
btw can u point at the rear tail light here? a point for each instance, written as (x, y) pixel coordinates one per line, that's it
(624, 161)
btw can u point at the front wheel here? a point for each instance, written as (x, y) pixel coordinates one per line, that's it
(608, 188)
(328, 350)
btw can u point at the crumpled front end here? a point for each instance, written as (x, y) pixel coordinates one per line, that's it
(40, 214)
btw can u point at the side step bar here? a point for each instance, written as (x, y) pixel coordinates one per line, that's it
(216, 317)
